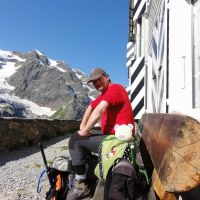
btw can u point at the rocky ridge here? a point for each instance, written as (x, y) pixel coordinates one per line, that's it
(49, 84)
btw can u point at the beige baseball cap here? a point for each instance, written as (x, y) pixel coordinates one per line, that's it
(96, 73)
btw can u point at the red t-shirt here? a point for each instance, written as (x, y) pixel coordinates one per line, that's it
(119, 109)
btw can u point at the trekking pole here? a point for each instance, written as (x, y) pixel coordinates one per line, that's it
(45, 163)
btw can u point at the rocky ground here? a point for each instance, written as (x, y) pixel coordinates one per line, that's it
(20, 169)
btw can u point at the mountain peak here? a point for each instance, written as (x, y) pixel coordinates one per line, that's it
(38, 52)
(31, 82)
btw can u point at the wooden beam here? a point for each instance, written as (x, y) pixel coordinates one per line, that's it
(159, 189)
(173, 143)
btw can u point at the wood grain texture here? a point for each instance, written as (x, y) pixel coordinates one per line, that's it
(159, 189)
(173, 142)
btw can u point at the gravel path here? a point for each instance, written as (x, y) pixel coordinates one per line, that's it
(20, 169)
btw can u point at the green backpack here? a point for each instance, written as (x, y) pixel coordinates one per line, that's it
(111, 149)
(120, 170)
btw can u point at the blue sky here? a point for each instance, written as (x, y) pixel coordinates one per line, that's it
(82, 33)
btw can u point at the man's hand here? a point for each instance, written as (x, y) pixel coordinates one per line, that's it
(84, 133)
(82, 126)
(93, 119)
(86, 116)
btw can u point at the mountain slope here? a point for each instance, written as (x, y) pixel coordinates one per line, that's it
(34, 86)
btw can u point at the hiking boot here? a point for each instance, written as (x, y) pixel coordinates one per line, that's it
(79, 190)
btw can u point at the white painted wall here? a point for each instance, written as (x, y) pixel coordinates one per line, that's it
(148, 84)
(180, 58)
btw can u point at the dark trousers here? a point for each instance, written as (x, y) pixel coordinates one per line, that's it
(82, 146)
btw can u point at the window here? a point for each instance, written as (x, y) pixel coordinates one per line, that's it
(196, 74)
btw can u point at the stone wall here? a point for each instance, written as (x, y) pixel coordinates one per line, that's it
(15, 132)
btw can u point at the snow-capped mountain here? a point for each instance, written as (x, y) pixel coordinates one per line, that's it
(34, 86)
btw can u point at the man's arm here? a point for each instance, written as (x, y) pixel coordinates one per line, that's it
(86, 116)
(94, 118)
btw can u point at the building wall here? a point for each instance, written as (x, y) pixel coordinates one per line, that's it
(164, 36)
(173, 82)
(156, 57)
(181, 58)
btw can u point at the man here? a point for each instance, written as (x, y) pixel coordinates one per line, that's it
(112, 107)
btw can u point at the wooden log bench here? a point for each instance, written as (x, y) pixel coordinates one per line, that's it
(173, 143)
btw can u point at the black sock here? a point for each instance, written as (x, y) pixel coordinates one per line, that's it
(80, 169)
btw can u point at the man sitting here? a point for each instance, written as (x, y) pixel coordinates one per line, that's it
(112, 106)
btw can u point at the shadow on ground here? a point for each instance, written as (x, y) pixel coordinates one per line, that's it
(26, 151)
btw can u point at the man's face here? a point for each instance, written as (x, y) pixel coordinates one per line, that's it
(101, 84)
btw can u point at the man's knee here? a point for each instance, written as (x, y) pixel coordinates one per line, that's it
(73, 139)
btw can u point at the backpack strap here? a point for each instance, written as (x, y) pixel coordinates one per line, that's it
(136, 159)
(132, 155)
(39, 188)
(100, 159)
(107, 184)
